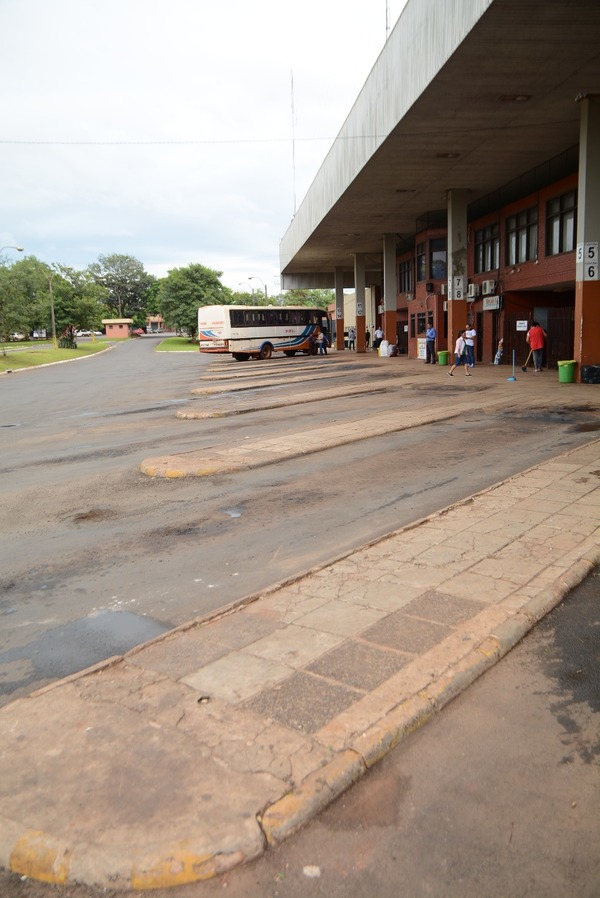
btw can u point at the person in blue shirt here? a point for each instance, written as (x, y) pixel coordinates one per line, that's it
(430, 335)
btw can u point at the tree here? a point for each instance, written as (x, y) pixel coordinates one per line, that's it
(184, 290)
(125, 281)
(319, 299)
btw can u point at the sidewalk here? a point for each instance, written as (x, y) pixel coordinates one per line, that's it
(195, 752)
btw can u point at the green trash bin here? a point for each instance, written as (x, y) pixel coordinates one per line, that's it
(566, 371)
(443, 357)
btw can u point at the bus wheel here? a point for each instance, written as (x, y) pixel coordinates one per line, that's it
(290, 353)
(266, 351)
(240, 357)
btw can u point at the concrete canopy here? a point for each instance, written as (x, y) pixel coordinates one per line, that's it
(466, 94)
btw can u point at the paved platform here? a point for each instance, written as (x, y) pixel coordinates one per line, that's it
(486, 388)
(197, 751)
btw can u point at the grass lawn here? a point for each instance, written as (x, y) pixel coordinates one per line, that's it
(177, 344)
(26, 356)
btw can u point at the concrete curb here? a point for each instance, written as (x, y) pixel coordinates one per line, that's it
(79, 358)
(290, 813)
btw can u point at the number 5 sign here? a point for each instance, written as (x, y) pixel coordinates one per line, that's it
(587, 258)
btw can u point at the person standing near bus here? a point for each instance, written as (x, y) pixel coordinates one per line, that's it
(351, 338)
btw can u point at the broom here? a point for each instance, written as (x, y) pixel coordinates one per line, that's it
(524, 367)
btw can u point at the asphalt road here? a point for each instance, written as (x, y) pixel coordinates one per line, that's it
(98, 557)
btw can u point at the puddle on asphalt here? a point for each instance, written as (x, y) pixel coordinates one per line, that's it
(233, 512)
(586, 428)
(70, 648)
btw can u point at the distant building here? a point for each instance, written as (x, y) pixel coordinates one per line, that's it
(118, 328)
(154, 324)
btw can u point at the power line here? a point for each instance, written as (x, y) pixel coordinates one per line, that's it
(158, 143)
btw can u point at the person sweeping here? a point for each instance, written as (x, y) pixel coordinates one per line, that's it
(536, 339)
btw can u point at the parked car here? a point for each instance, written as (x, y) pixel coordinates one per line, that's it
(16, 338)
(137, 332)
(83, 333)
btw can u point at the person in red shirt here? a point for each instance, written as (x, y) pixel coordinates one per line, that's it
(536, 338)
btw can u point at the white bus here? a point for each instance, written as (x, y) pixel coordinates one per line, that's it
(258, 331)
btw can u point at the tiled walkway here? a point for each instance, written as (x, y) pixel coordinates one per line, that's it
(191, 754)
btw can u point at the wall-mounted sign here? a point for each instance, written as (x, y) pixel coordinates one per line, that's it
(458, 287)
(587, 261)
(359, 308)
(490, 303)
(522, 326)
(339, 312)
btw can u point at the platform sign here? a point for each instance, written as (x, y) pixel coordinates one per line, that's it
(587, 261)
(339, 312)
(458, 287)
(359, 309)
(490, 303)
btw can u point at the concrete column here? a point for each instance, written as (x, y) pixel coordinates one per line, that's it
(339, 308)
(457, 264)
(587, 283)
(359, 289)
(390, 288)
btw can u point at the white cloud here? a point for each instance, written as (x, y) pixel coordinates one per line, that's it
(196, 98)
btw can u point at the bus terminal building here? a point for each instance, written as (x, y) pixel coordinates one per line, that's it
(464, 185)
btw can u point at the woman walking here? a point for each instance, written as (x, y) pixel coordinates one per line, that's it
(460, 355)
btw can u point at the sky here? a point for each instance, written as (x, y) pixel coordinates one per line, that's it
(177, 132)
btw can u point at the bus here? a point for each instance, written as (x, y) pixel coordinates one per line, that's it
(258, 331)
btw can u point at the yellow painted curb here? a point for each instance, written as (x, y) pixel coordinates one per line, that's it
(40, 856)
(318, 790)
(183, 867)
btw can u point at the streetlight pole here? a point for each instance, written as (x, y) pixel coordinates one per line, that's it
(19, 249)
(50, 276)
(255, 278)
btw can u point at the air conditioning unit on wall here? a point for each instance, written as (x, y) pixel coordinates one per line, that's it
(472, 291)
(443, 289)
(488, 287)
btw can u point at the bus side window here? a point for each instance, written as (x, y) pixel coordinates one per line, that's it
(237, 317)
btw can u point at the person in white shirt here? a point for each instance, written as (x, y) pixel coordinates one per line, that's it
(470, 335)
(460, 355)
